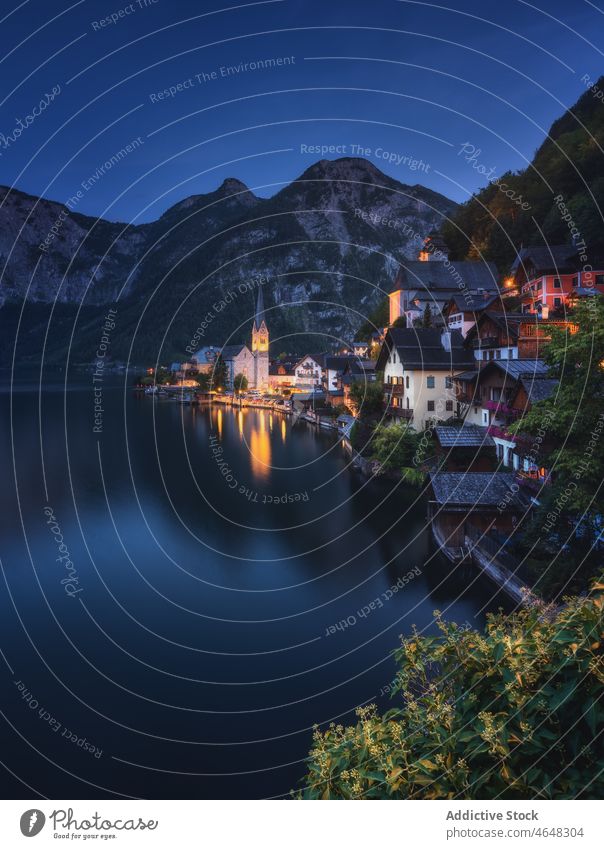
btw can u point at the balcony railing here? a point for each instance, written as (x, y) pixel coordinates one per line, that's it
(486, 342)
(399, 412)
(395, 389)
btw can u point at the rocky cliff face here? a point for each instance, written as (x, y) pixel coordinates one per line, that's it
(325, 247)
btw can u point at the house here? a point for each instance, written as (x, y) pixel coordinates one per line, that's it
(466, 504)
(419, 365)
(281, 375)
(499, 395)
(360, 348)
(308, 374)
(205, 358)
(550, 277)
(434, 281)
(461, 312)
(512, 336)
(467, 448)
(332, 367)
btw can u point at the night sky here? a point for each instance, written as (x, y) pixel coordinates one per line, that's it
(404, 80)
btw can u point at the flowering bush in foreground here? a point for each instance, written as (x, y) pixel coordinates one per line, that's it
(515, 712)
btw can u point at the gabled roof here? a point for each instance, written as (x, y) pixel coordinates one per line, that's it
(317, 358)
(480, 489)
(466, 436)
(539, 388)
(509, 322)
(544, 258)
(517, 369)
(337, 362)
(231, 351)
(436, 276)
(472, 301)
(422, 348)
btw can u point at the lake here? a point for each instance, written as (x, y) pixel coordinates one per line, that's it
(186, 591)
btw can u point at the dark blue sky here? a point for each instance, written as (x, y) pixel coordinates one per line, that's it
(411, 79)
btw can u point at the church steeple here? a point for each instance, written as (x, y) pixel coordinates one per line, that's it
(260, 328)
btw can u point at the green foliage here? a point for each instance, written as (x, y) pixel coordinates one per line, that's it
(163, 376)
(219, 376)
(202, 379)
(376, 319)
(427, 317)
(494, 225)
(395, 447)
(240, 383)
(572, 424)
(367, 398)
(401, 321)
(513, 712)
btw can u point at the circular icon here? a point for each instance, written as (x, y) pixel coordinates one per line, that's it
(32, 822)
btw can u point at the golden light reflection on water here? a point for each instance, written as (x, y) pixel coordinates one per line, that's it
(219, 422)
(240, 422)
(260, 447)
(283, 429)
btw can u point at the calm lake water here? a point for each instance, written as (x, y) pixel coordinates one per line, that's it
(185, 645)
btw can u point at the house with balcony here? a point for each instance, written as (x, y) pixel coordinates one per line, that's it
(499, 395)
(549, 278)
(308, 373)
(462, 311)
(419, 365)
(512, 336)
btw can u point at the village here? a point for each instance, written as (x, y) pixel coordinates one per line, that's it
(450, 378)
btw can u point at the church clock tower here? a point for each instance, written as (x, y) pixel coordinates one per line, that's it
(260, 343)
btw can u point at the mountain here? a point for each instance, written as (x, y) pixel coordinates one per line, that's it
(567, 164)
(325, 248)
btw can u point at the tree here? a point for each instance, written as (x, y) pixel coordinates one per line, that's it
(219, 376)
(427, 319)
(572, 420)
(401, 321)
(395, 446)
(240, 383)
(513, 712)
(367, 398)
(203, 380)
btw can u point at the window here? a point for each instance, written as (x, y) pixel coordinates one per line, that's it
(557, 302)
(557, 283)
(510, 353)
(575, 282)
(449, 406)
(448, 382)
(498, 353)
(430, 382)
(430, 406)
(485, 417)
(407, 381)
(407, 402)
(599, 281)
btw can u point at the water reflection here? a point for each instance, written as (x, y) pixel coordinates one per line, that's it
(260, 447)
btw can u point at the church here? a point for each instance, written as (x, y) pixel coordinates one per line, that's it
(252, 363)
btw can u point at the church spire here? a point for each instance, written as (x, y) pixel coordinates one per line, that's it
(259, 317)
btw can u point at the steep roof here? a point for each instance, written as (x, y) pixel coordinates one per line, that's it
(422, 348)
(544, 258)
(480, 489)
(467, 436)
(436, 276)
(472, 301)
(539, 388)
(259, 315)
(519, 368)
(231, 351)
(509, 322)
